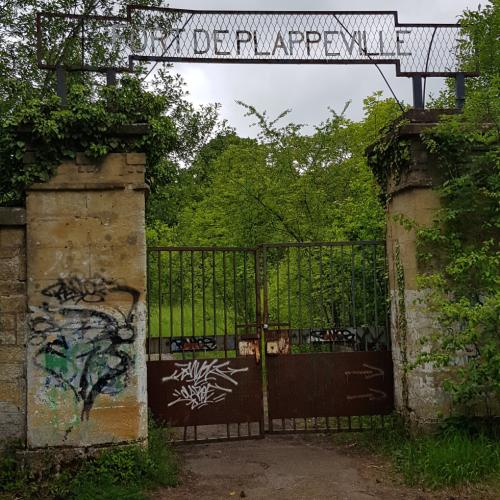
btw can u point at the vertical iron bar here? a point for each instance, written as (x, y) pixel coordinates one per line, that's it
(278, 290)
(375, 291)
(363, 276)
(332, 297)
(214, 293)
(160, 305)
(353, 293)
(265, 278)
(193, 329)
(181, 278)
(289, 291)
(224, 299)
(299, 276)
(148, 292)
(245, 292)
(322, 304)
(235, 309)
(342, 290)
(310, 303)
(203, 294)
(170, 296)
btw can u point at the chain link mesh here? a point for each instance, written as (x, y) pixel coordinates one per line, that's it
(169, 35)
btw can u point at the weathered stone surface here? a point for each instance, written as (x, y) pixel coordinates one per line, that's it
(13, 308)
(87, 280)
(12, 216)
(419, 393)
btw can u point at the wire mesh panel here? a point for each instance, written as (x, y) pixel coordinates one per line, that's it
(202, 314)
(326, 323)
(310, 37)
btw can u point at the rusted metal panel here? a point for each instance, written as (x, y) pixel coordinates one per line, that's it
(205, 391)
(249, 347)
(278, 342)
(330, 384)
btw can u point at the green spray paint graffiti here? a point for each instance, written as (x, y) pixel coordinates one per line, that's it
(83, 344)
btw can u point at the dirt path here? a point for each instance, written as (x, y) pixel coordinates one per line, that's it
(284, 467)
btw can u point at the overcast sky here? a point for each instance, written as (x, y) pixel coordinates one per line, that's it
(308, 90)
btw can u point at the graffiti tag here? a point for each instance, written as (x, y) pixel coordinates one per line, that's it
(84, 349)
(193, 344)
(205, 382)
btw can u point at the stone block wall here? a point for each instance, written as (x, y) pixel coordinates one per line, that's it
(12, 324)
(419, 393)
(86, 296)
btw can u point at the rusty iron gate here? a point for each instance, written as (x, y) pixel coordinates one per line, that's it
(281, 338)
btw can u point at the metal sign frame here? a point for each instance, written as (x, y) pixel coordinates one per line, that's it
(226, 17)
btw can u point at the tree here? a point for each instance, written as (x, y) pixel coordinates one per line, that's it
(286, 186)
(94, 113)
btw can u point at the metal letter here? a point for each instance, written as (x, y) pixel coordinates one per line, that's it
(310, 40)
(239, 40)
(326, 43)
(381, 40)
(365, 50)
(197, 50)
(353, 41)
(279, 44)
(291, 40)
(218, 40)
(400, 42)
(256, 47)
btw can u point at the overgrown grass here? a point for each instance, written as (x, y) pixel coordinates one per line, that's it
(451, 457)
(119, 473)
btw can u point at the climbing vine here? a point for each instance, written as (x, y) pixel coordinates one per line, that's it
(91, 122)
(390, 155)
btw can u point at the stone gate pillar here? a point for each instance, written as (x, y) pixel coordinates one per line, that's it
(86, 281)
(419, 394)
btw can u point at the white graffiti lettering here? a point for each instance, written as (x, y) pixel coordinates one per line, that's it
(202, 382)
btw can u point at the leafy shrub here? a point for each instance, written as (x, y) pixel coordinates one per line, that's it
(117, 473)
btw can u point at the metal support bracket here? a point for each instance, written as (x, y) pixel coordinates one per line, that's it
(61, 88)
(460, 91)
(418, 97)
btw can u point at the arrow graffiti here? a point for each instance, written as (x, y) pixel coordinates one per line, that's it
(370, 372)
(373, 395)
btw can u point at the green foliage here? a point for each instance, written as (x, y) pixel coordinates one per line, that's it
(124, 472)
(287, 186)
(450, 460)
(31, 116)
(450, 457)
(90, 125)
(462, 246)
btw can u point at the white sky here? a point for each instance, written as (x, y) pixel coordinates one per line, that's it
(307, 90)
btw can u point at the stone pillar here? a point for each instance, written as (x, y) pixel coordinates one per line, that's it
(419, 394)
(86, 296)
(12, 324)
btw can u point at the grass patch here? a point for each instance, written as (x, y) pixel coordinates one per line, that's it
(452, 457)
(117, 473)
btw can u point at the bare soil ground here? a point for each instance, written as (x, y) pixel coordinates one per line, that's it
(291, 467)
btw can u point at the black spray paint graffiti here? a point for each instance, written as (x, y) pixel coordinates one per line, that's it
(364, 337)
(85, 349)
(181, 344)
